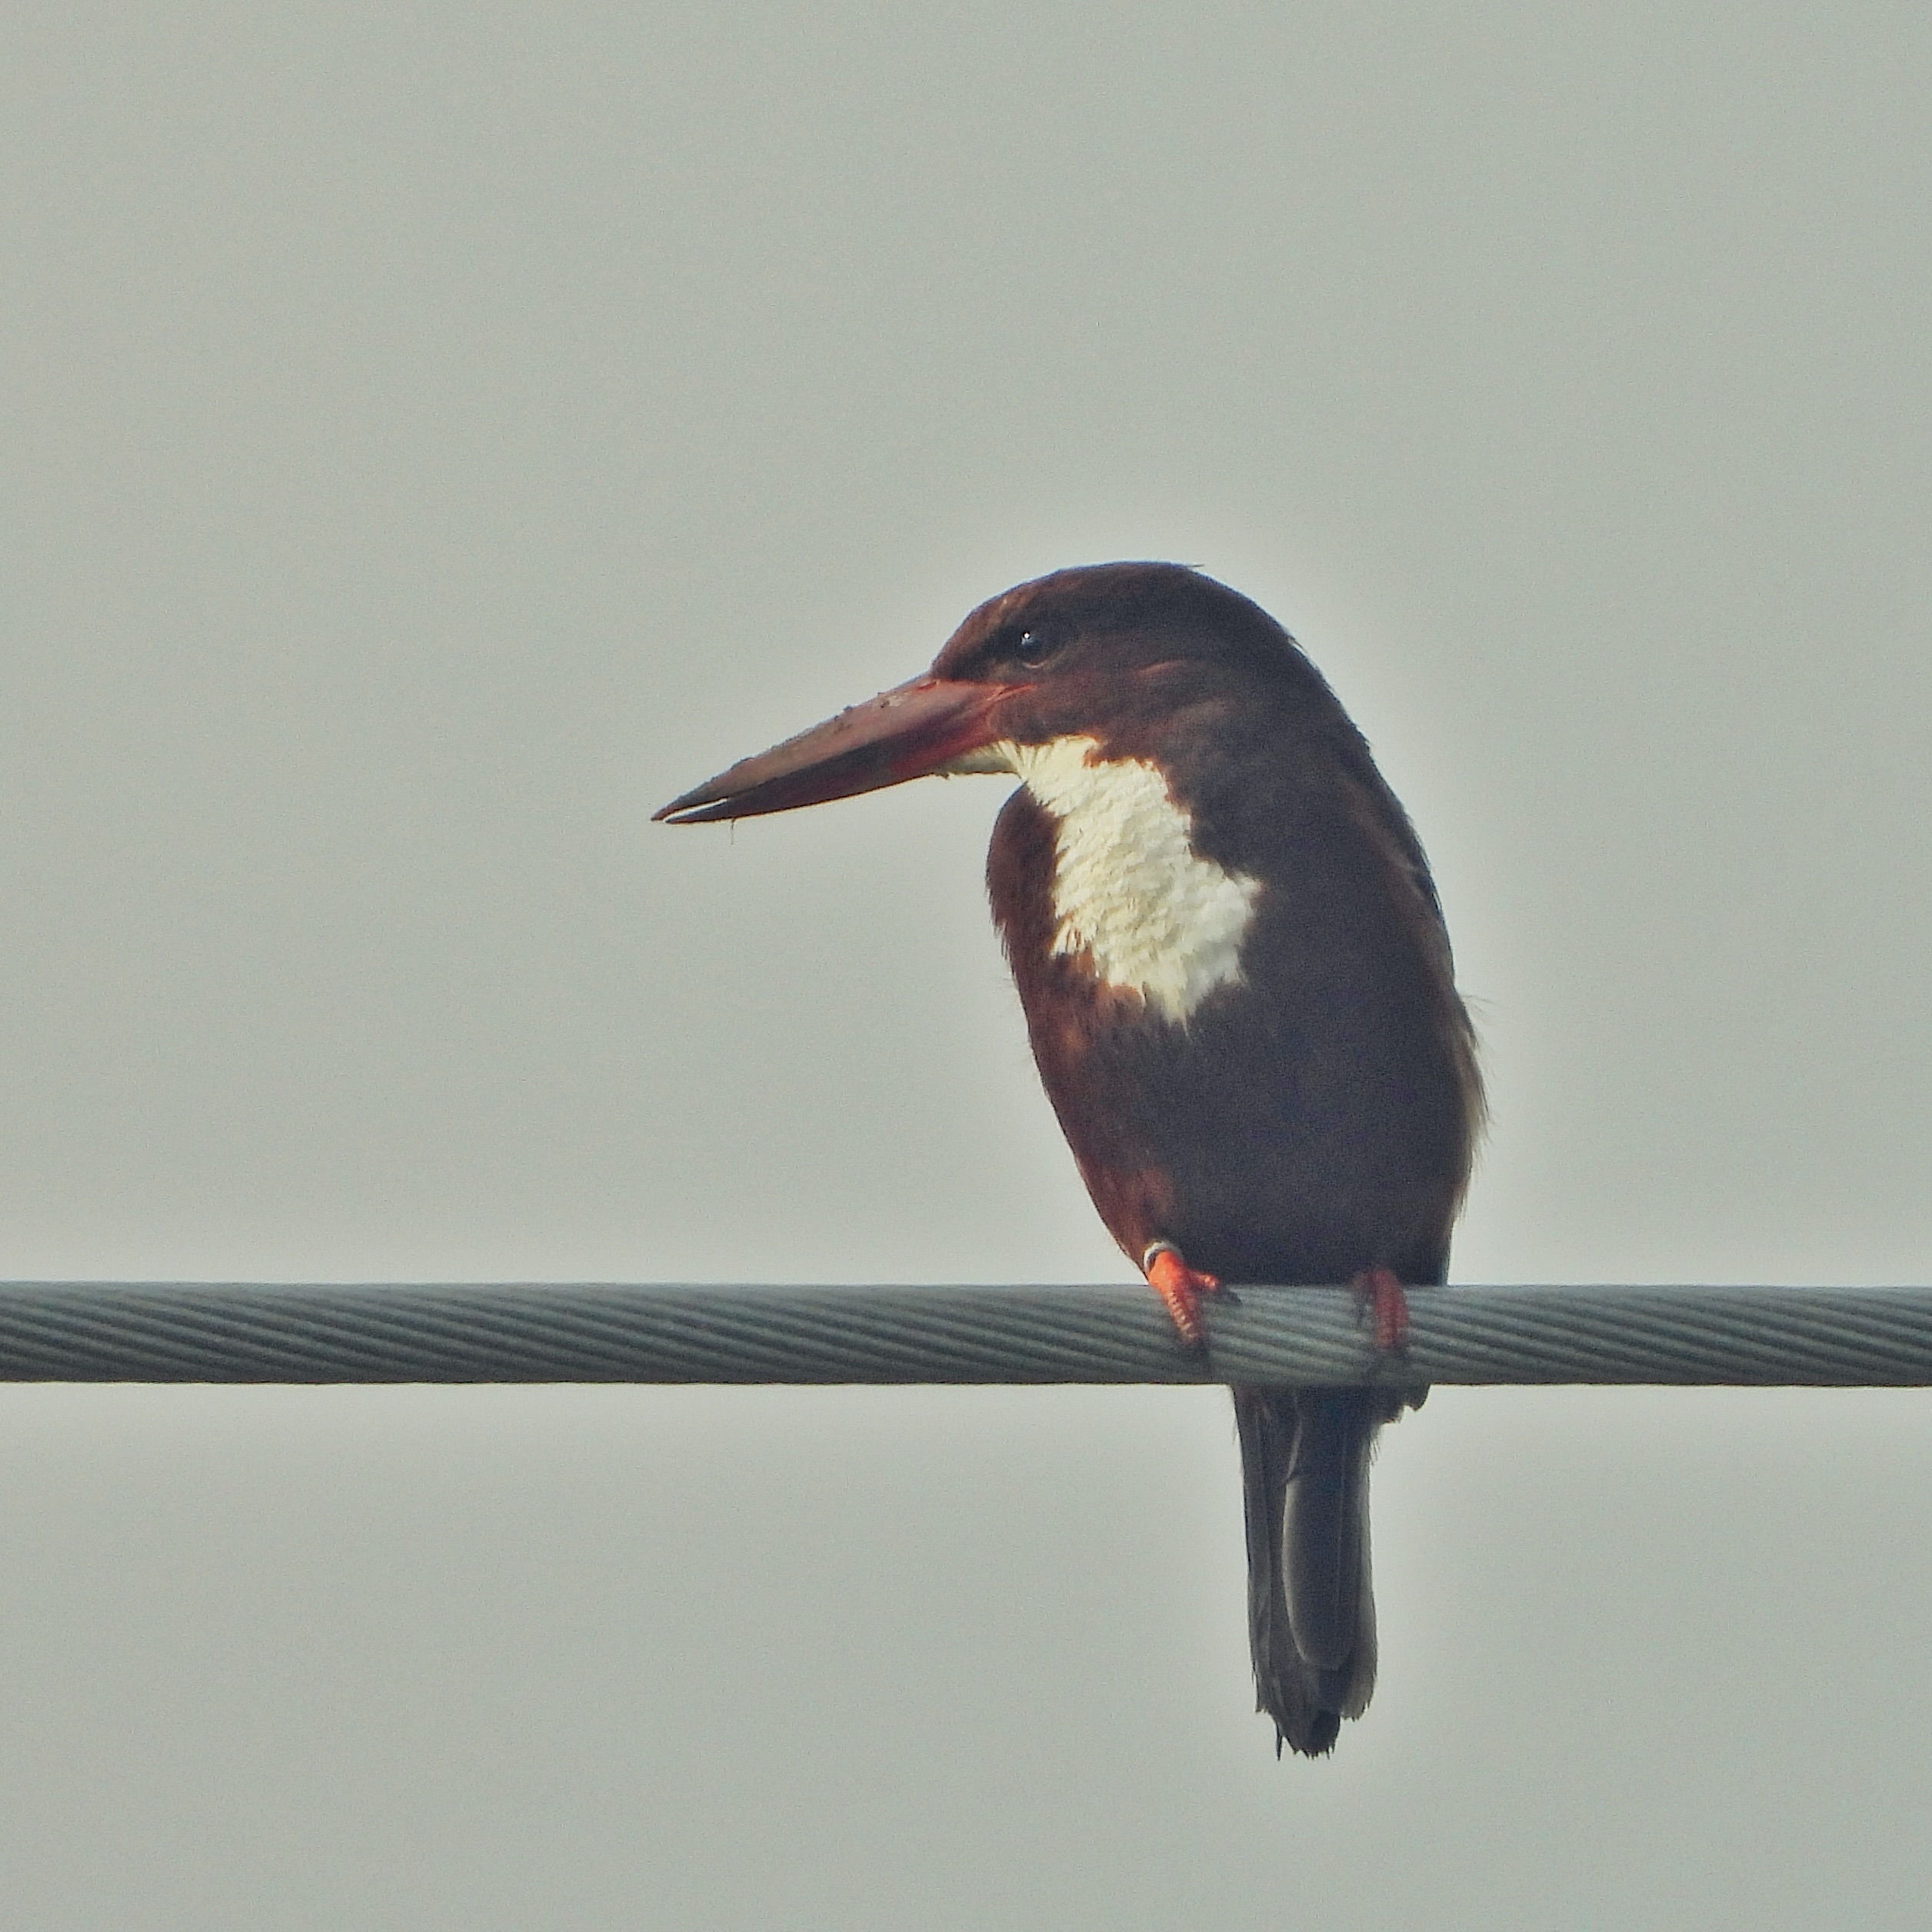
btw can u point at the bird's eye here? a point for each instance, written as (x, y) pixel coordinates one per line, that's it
(1034, 648)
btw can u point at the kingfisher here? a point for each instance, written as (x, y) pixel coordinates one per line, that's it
(1238, 987)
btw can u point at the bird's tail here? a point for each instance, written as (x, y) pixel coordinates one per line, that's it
(1311, 1616)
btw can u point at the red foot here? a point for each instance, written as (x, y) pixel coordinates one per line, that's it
(1379, 1290)
(1180, 1288)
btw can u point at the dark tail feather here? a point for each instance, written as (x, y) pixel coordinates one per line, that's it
(1311, 1615)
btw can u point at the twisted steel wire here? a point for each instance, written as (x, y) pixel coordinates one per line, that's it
(607, 1332)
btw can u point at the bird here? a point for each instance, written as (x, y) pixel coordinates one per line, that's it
(1237, 984)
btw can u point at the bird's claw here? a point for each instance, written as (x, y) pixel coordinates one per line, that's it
(1379, 1294)
(1179, 1288)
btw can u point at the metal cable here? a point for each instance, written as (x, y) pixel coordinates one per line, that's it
(515, 1332)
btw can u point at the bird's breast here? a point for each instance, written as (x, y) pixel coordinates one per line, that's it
(1131, 900)
(1273, 1072)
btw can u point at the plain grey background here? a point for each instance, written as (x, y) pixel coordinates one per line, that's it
(438, 435)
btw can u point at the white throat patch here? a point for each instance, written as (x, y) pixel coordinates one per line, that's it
(1129, 891)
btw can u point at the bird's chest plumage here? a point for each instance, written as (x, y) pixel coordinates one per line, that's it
(1129, 902)
(1251, 1064)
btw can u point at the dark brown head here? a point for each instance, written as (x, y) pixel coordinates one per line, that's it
(1109, 651)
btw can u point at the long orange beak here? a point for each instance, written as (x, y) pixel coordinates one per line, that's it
(910, 731)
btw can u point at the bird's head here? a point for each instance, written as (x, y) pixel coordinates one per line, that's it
(1115, 653)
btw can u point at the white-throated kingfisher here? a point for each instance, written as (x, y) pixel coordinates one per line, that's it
(1238, 987)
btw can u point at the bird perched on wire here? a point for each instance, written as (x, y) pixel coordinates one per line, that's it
(1238, 989)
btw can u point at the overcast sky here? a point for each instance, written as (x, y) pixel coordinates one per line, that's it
(438, 435)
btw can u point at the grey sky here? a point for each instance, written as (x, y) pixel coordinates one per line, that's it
(439, 436)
